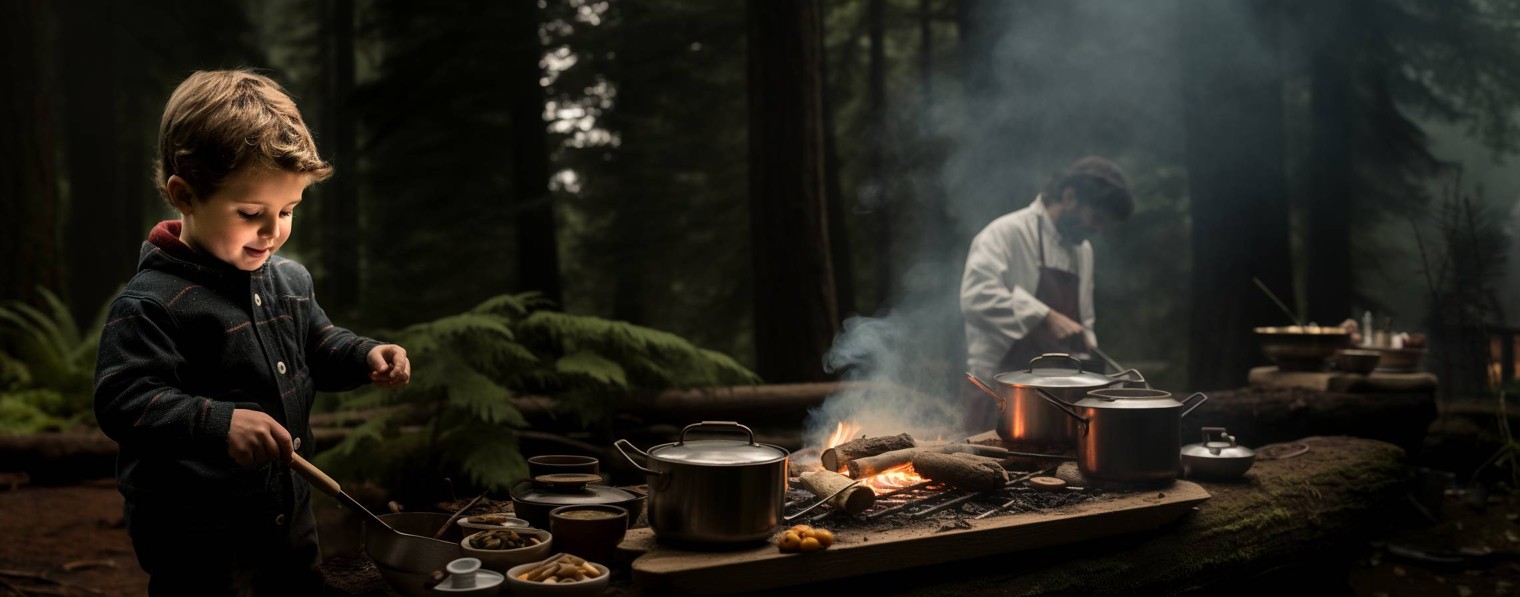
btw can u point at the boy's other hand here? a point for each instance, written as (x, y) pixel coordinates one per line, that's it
(256, 438)
(388, 366)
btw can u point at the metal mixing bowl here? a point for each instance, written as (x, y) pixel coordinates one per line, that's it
(1295, 348)
(409, 556)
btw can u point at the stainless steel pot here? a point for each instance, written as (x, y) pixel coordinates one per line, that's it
(1218, 457)
(1022, 418)
(713, 491)
(1128, 435)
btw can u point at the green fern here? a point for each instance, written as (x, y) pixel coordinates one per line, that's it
(455, 417)
(51, 353)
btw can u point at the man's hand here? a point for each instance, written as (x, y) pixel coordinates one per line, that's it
(388, 367)
(256, 438)
(1062, 327)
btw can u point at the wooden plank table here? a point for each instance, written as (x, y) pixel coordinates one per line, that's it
(860, 552)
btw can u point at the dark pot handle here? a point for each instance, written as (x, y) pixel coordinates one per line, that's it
(1056, 402)
(982, 385)
(623, 442)
(1201, 399)
(1054, 355)
(728, 425)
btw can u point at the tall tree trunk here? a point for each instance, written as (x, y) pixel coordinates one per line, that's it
(101, 207)
(1232, 100)
(839, 236)
(879, 195)
(537, 249)
(926, 54)
(340, 203)
(1332, 192)
(28, 182)
(795, 311)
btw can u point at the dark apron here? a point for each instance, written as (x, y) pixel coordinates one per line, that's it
(1059, 290)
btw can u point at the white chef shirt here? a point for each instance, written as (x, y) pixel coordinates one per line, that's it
(1002, 273)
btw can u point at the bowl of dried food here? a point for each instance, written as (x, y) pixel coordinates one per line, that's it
(563, 575)
(501, 549)
(490, 522)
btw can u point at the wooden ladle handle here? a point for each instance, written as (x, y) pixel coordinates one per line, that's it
(315, 476)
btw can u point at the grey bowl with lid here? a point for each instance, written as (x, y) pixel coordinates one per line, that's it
(1218, 457)
(713, 491)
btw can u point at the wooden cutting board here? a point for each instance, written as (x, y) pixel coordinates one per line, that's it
(666, 569)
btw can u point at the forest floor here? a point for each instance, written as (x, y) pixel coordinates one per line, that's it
(71, 541)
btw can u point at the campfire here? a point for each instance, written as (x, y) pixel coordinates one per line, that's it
(895, 480)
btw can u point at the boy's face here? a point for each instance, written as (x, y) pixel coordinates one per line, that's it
(244, 221)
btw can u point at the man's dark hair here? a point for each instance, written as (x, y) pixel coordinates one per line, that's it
(1097, 182)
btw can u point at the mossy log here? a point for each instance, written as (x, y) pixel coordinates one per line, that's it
(1313, 509)
(1259, 416)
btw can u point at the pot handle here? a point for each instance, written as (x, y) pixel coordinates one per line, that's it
(1129, 376)
(1054, 355)
(1201, 399)
(982, 385)
(623, 442)
(1056, 402)
(731, 425)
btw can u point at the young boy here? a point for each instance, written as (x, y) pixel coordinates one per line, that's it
(212, 355)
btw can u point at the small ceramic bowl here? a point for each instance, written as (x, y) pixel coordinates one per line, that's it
(562, 463)
(591, 531)
(1357, 361)
(502, 559)
(466, 578)
(528, 588)
(470, 524)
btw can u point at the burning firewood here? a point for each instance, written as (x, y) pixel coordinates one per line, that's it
(965, 471)
(823, 484)
(835, 458)
(870, 466)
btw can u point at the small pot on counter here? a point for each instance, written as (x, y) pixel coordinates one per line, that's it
(713, 491)
(1218, 457)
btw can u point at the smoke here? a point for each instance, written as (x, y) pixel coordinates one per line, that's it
(898, 394)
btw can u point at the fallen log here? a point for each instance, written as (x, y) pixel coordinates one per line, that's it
(871, 466)
(823, 484)
(1259, 416)
(837, 457)
(961, 470)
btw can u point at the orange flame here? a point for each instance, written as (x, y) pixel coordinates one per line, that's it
(893, 478)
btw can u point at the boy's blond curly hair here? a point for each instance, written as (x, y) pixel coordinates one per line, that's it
(219, 121)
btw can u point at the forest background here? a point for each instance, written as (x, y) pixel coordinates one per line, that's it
(750, 176)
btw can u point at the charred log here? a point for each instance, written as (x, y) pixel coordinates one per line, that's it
(823, 484)
(965, 471)
(837, 457)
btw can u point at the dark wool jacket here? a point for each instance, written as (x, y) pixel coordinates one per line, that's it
(190, 339)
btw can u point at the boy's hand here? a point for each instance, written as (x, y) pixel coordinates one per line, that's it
(388, 367)
(256, 438)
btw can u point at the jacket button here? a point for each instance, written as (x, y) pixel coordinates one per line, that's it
(279, 520)
(296, 445)
(257, 301)
(281, 366)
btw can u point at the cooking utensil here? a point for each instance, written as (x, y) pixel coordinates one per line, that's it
(403, 555)
(1291, 315)
(1129, 435)
(1023, 419)
(1218, 457)
(1353, 360)
(713, 492)
(1400, 360)
(1301, 349)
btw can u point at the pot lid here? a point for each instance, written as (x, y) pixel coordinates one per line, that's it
(719, 452)
(1054, 370)
(586, 494)
(1217, 444)
(1128, 398)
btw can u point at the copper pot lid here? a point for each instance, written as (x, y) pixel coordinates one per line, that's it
(1218, 445)
(1054, 370)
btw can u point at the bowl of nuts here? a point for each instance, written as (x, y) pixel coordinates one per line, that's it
(501, 549)
(563, 575)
